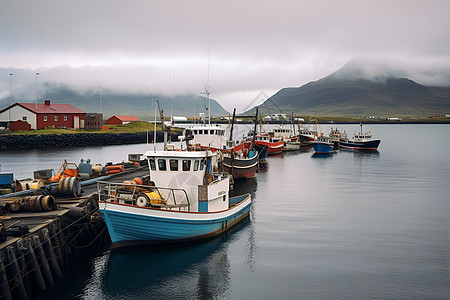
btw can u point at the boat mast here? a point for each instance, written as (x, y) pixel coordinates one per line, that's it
(153, 102)
(254, 130)
(232, 125)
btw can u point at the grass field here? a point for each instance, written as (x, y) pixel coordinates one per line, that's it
(132, 127)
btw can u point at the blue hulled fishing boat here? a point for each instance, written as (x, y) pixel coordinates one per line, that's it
(185, 199)
(323, 145)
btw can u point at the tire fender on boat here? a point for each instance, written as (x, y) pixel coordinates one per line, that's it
(93, 202)
(142, 200)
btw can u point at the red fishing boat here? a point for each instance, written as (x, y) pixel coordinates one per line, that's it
(274, 145)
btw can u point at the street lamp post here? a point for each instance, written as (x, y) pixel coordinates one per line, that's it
(100, 96)
(36, 89)
(10, 99)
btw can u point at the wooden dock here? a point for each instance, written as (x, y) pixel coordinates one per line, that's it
(40, 247)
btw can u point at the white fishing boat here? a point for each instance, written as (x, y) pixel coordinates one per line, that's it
(186, 199)
(291, 142)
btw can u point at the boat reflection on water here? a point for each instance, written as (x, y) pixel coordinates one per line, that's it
(322, 155)
(366, 154)
(187, 270)
(249, 185)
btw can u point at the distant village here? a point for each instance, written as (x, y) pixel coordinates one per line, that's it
(36, 116)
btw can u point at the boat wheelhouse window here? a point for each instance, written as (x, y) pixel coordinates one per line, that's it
(162, 165)
(173, 163)
(202, 164)
(196, 163)
(186, 165)
(200, 132)
(211, 131)
(152, 164)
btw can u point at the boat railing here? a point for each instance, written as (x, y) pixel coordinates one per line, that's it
(142, 195)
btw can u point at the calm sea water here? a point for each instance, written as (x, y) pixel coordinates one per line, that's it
(350, 225)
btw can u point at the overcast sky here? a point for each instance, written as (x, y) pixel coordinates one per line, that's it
(253, 46)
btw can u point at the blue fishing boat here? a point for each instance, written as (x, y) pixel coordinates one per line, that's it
(323, 145)
(185, 199)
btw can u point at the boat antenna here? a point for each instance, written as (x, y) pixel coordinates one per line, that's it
(171, 106)
(207, 86)
(163, 125)
(154, 132)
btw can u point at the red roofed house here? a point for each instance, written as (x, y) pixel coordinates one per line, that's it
(118, 120)
(43, 115)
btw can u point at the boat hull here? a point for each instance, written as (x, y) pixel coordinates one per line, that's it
(262, 150)
(371, 145)
(291, 146)
(241, 168)
(323, 148)
(131, 225)
(272, 148)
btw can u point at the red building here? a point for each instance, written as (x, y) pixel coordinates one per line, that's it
(43, 115)
(118, 120)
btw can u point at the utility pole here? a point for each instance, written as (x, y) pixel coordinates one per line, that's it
(37, 74)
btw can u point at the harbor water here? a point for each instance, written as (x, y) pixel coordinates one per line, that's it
(351, 225)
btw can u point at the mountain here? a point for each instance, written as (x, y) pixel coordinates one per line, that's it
(114, 103)
(356, 90)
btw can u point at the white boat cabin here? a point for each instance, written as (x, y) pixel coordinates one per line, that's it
(267, 138)
(362, 137)
(191, 174)
(283, 133)
(209, 135)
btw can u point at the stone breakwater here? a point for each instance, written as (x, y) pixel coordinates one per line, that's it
(10, 142)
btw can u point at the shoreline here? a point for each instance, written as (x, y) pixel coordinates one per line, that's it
(17, 141)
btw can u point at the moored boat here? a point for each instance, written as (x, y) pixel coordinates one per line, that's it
(361, 141)
(323, 145)
(241, 164)
(291, 142)
(307, 135)
(336, 136)
(272, 144)
(186, 200)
